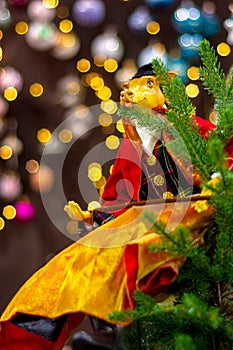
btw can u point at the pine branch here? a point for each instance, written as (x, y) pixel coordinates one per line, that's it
(181, 109)
(212, 75)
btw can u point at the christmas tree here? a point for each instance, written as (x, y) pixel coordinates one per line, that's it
(199, 312)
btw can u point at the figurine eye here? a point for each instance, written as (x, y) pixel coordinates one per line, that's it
(150, 82)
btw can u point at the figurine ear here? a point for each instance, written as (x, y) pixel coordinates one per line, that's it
(125, 85)
(172, 75)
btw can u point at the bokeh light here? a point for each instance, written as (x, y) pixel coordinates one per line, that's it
(36, 89)
(65, 136)
(9, 212)
(193, 73)
(110, 65)
(112, 142)
(192, 90)
(223, 49)
(66, 26)
(32, 166)
(153, 27)
(5, 152)
(10, 94)
(2, 223)
(83, 65)
(44, 135)
(21, 28)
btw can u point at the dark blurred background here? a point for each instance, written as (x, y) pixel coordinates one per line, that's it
(68, 49)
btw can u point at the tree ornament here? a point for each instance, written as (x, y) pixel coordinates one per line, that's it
(89, 13)
(159, 3)
(211, 19)
(109, 45)
(17, 3)
(139, 18)
(189, 45)
(66, 46)
(10, 186)
(188, 18)
(154, 50)
(38, 12)
(5, 15)
(228, 25)
(178, 65)
(10, 77)
(25, 211)
(41, 36)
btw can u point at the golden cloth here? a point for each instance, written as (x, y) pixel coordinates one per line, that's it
(99, 273)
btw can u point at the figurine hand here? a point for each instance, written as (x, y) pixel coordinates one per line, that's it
(76, 213)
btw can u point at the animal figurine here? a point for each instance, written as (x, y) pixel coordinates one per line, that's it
(100, 272)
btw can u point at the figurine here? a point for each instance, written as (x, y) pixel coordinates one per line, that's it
(87, 279)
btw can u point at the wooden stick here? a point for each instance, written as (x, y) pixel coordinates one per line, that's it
(111, 208)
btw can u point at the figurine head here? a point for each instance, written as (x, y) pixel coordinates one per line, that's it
(143, 88)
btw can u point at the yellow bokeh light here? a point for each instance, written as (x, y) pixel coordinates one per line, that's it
(153, 27)
(94, 173)
(21, 28)
(112, 142)
(50, 4)
(1, 34)
(72, 227)
(83, 65)
(110, 65)
(192, 90)
(68, 40)
(44, 135)
(66, 26)
(2, 223)
(32, 166)
(110, 169)
(120, 126)
(223, 49)
(5, 152)
(100, 183)
(109, 106)
(99, 60)
(93, 205)
(1, 54)
(97, 83)
(9, 212)
(193, 73)
(10, 93)
(105, 93)
(36, 89)
(105, 119)
(65, 135)
(89, 77)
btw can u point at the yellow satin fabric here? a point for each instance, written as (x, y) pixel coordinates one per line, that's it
(92, 275)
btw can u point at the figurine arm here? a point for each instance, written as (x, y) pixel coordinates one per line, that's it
(75, 212)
